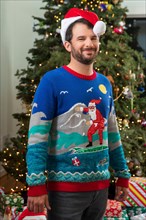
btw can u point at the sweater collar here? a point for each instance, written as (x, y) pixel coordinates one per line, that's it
(81, 76)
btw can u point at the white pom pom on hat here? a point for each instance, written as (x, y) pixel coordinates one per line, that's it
(75, 14)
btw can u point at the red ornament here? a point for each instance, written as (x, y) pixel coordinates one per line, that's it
(143, 122)
(119, 30)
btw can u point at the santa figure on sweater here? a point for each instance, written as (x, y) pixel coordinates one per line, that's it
(96, 122)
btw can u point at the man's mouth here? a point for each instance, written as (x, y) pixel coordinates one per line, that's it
(89, 50)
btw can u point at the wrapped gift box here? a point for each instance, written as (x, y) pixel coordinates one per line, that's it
(123, 217)
(132, 211)
(15, 212)
(113, 209)
(139, 217)
(137, 192)
(28, 215)
(138, 179)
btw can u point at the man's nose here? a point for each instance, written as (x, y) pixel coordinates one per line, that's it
(89, 42)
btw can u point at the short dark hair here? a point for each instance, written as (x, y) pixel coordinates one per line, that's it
(68, 35)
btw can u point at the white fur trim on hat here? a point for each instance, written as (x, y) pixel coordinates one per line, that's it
(65, 23)
(99, 28)
(91, 104)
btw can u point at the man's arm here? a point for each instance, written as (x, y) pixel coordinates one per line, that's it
(117, 157)
(37, 149)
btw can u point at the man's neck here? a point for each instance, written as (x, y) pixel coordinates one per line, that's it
(81, 68)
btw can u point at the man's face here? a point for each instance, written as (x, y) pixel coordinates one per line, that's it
(84, 45)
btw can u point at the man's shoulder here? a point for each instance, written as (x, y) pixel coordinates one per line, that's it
(54, 73)
(103, 78)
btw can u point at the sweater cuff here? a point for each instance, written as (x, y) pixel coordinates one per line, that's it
(123, 182)
(37, 190)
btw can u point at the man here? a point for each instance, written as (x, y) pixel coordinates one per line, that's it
(77, 176)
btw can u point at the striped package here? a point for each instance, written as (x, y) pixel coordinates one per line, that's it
(137, 193)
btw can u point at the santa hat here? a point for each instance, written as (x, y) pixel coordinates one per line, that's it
(93, 102)
(75, 14)
(28, 215)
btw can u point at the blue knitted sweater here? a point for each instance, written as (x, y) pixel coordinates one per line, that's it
(73, 133)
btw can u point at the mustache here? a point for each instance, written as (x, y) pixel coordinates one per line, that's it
(89, 49)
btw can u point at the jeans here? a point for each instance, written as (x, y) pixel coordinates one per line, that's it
(77, 205)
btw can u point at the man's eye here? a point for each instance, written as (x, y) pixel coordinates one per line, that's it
(81, 38)
(94, 38)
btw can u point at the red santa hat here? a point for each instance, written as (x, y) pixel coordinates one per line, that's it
(74, 14)
(93, 102)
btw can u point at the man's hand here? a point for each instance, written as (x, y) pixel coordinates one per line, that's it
(121, 193)
(38, 203)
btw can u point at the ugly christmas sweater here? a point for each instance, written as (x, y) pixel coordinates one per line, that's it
(73, 134)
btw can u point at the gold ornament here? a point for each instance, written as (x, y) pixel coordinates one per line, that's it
(126, 123)
(109, 7)
(116, 90)
(115, 1)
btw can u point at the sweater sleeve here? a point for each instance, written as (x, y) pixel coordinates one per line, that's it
(43, 111)
(116, 152)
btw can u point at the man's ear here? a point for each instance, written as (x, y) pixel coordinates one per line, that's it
(67, 46)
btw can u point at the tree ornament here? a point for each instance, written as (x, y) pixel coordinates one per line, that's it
(122, 23)
(132, 75)
(103, 7)
(139, 172)
(115, 1)
(141, 76)
(109, 7)
(126, 76)
(105, 2)
(128, 159)
(143, 122)
(59, 1)
(128, 93)
(130, 164)
(135, 113)
(125, 123)
(119, 30)
(140, 88)
(116, 90)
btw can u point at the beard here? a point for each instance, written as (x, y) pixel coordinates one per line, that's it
(79, 56)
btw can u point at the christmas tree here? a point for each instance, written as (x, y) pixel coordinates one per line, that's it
(117, 60)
